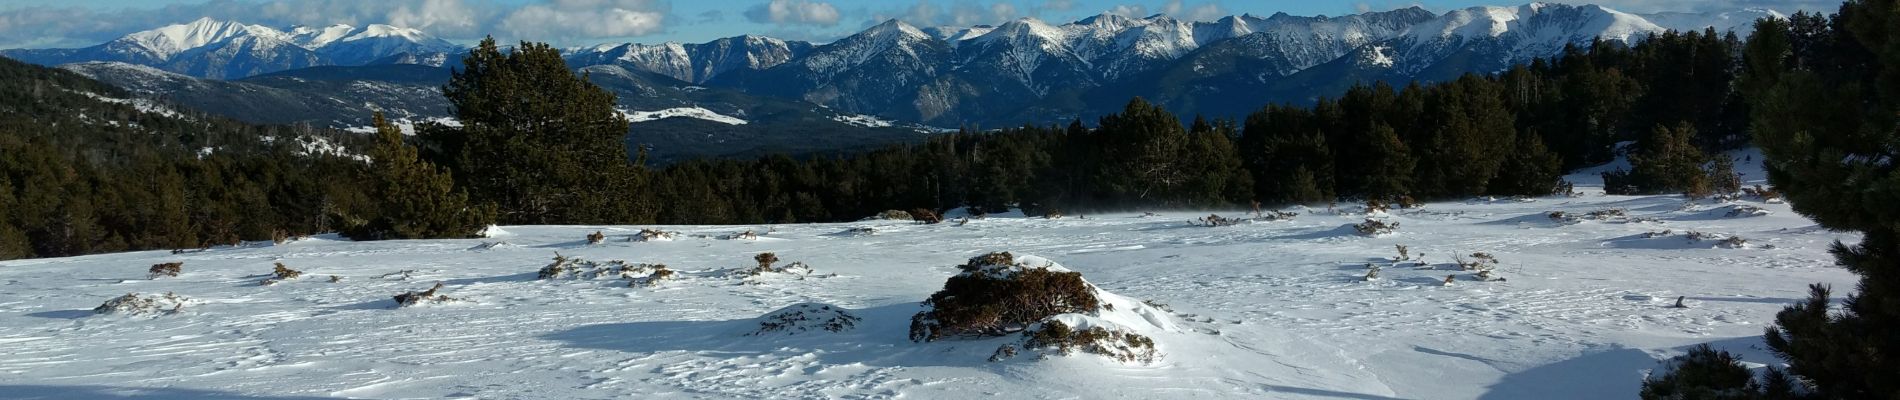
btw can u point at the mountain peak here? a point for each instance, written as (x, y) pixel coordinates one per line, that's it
(169, 40)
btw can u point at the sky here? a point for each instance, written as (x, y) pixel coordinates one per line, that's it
(79, 23)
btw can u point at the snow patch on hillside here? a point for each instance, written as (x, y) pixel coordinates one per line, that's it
(682, 112)
(862, 120)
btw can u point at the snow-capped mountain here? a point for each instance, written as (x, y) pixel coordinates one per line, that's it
(696, 63)
(211, 48)
(1023, 70)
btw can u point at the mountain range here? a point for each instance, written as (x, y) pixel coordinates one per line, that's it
(1022, 71)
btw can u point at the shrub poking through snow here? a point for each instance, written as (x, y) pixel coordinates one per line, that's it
(868, 231)
(1405, 253)
(1376, 206)
(1563, 218)
(765, 261)
(596, 238)
(170, 269)
(652, 235)
(426, 296)
(402, 275)
(1766, 195)
(1607, 214)
(280, 274)
(1214, 220)
(995, 295)
(895, 215)
(564, 267)
(1276, 215)
(1376, 227)
(1476, 262)
(1372, 272)
(1450, 278)
(806, 317)
(660, 274)
(335, 279)
(1127, 347)
(1053, 213)
(134, 304)
(924, 216)
(747, 235)
(1741, 211)
(1706, 373)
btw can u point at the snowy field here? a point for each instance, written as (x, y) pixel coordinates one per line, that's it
(1264, 310)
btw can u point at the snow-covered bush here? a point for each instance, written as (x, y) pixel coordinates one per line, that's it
(1563, 218)
(1706, 373)
(596, 238)
(1606, 214)
(660, 274)
(1766, 195)
(134, 304)
(806, 317)
(1059, 337)
(996, 294)
(426, 296)
(1276, 215)
(747, 235)
(564, 267)
(1376, 227)
(652, 235)
(1215, 220)
(868, 231)
(894, 215)
(170, 269)
(485, 246)
(280, 274)
(1740, 211)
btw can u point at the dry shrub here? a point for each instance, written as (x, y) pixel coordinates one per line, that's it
(806, 317)
(1563, 218)
(1746, 211)
(133, 304)
(660, 273)
(1277, 215)
(1405, 253)
(1765, 194)
(1053, 213)
(1372, 272)
(564, 267)
(747, 235)
(282, 273)
(1608, 214)
(1126, 347)
(170, 269)
(1376, 227)
(426, 296)
(596, 238)
(995, 296)
(895, 215)
(1375, 206)
(925, 216)
(1215, 220)
(650, 235)
(765, 261)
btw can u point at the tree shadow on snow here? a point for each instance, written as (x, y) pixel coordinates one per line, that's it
(1609, 374)
(63, 314)
(51, 392)
(881, 338)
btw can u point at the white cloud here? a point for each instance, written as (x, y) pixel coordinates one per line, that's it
(794, 12)
(538, 20)
(961, 13)
(584, 19)
(1200, 12)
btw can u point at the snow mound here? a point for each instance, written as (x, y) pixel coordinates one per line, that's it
(683, 112)
(1672, 239)
(493, 231)
(134, 304)
(578, 268)
(806, 317)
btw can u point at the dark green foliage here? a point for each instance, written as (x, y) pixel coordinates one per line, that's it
(1823, 92)
(1703, 374)
(415, 199)
(1531, 169)
(993, 296)
(541, 143)
(1666, 161)
(82, 175)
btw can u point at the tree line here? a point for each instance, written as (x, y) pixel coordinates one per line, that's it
(539, 144)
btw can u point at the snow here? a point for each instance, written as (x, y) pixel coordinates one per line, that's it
(143, 105)
(1258, 310)
(167, 41)
(682, 112)
(862, 120)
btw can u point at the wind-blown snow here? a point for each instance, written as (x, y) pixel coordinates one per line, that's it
(1260, 310)
(682, 112)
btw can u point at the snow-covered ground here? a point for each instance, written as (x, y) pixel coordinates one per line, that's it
(682, 112)
(1259, 310)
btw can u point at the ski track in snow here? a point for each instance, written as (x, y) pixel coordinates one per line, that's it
(1268, 310)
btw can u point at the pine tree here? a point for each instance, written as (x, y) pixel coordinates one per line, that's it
(1532, 170)
(416, 199)
(543, 144)
(1822, 103)
(1388, 164)
(1667, 161)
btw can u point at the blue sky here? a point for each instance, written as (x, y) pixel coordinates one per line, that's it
(44, 23)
